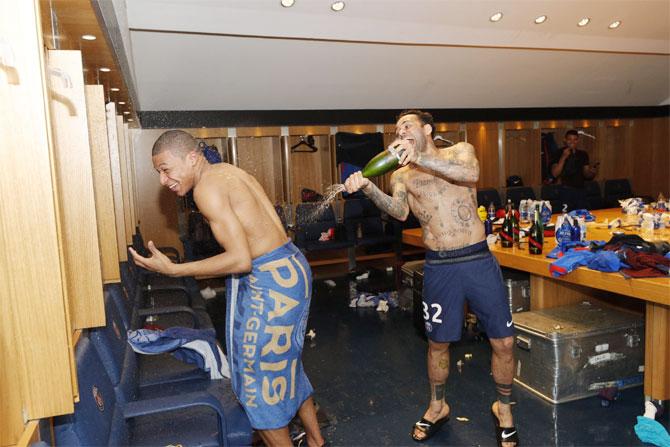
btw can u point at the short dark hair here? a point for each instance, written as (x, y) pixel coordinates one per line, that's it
(572, 132)
(177, 141)
(424, 117)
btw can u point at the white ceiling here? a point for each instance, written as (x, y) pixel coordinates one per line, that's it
(257, 55)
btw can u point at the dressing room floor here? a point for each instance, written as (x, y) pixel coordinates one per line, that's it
(368, 370)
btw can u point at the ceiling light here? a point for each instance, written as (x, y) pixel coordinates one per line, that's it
(105, 69)
(114, 89)
(122, 103)
(287, 3)
(130, 120)
(540, 19)
(615, 24)
(337, 6)
(496, 17)
(583, 22)
(126, 113)
(88, 37)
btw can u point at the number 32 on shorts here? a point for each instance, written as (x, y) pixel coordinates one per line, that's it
(436, 315)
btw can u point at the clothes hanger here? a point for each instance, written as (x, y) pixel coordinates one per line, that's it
(305, 140)
(442, 139)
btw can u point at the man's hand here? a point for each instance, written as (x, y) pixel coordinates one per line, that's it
(158, 262)
(355, 182)
(566, 153)
(407, 151)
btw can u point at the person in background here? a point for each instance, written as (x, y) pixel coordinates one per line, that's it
(439, 186)
(572, 169)
(269, 286)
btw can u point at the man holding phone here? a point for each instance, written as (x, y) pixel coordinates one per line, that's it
(573, 169)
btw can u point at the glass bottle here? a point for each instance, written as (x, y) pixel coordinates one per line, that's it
(536, 234)
(383, 162)
(507, 230)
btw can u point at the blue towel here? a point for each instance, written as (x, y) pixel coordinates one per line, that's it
(188, 345)
(266, 317)
(604, 261)
(588, 217)
(652, 432)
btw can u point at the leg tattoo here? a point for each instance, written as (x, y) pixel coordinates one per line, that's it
(437, 391)
(504, 391)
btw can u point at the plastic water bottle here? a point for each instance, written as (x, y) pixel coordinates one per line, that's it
(492, 212)
(582, 228)
(576, 231)
(523, 210)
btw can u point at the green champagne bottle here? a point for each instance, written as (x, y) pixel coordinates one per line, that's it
(383, 162)
(536, 235)
(507, 230)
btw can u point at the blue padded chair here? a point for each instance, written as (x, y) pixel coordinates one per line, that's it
(111, 342)
(486, 196)
(140, 377)
(364, 214)
(615, 190)
(310, 226)
(169, 312)
(518, 193)
(165, 290)
(100, 418)
(594, 197)
(552, 193)
(97, 420)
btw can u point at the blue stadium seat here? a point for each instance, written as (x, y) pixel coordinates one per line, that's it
(364, 214)
(518, 193)
(594, 197)
(310, 225)
(615, 190)
(194, 417)
(552, 193)
(486, 196)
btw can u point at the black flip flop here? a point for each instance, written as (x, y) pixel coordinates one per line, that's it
(429, 428)
(504, 434)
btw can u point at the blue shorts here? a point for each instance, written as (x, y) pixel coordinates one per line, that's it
(266, 317)
(452, 277)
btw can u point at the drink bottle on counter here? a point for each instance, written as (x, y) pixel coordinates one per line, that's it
(507, 230)
(536, 234)
(516, 231)
(383, 162)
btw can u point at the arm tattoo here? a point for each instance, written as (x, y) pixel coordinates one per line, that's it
(396, 205)
(459, 164)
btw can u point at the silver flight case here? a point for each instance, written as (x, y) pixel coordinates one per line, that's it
(571, 352)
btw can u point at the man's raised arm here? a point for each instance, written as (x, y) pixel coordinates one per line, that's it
(458, 163)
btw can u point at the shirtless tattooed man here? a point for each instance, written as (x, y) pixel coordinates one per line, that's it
(439, 187)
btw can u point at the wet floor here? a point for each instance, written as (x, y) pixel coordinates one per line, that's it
(368, 370)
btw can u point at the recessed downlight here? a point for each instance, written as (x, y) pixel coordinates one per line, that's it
(287, 3)
(88, 37)
(114, 89)
(496, 17)
(540, 19)
(130, 120)
(126, 113)
(583, 21)
(615, 24)
(105, 69)
(122, 103)
(337, 6)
